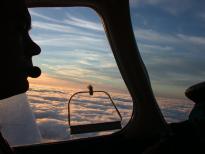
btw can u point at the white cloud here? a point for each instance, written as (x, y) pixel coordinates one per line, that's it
(202, 15)
(175, 110)
(173, 7)
(70, 20)
(154, 36)
(71, 40)
(134, 3)
(167, 39)
(53, 129)
(155, 48)
(36, 14)
(52, 27)
(50, 108)
(83, 23)
(192, 39)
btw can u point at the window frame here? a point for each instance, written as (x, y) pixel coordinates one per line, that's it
(147, 120)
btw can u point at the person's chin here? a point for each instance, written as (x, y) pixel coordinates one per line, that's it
(21, 86)
(14, 88)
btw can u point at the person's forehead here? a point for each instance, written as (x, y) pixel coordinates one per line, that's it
(28, 19)
(23, 18)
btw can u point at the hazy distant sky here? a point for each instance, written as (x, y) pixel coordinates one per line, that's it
(171, 38)
(170, 35)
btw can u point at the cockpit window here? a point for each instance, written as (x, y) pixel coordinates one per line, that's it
(171, 39)
(75, 54)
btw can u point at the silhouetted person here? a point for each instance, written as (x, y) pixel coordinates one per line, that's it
(16, 51)
(197, 116)
(188, 136)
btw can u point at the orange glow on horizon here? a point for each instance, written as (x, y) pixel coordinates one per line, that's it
(46, 80)
(49, 81)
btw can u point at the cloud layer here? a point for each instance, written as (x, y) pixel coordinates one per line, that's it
(50, 109)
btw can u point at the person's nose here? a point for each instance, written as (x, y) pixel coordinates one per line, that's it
(32, 48)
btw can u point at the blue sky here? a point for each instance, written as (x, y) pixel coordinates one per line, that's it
(171, 38)
(170, 35)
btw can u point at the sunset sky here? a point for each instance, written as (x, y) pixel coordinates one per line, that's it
(75, 51)
(170, 35)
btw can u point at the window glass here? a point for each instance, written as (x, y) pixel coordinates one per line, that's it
(75, 54)
(171, 40)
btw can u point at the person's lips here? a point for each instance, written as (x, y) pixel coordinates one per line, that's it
(30, 70)
(34, 72)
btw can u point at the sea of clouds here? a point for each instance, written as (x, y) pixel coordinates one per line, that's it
(50, 109)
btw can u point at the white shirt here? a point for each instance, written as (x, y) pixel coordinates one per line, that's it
(17, 122)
